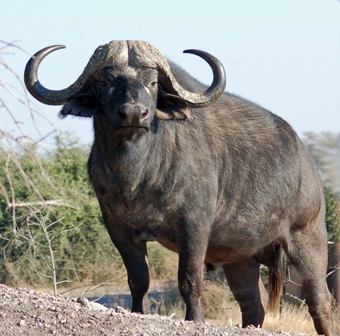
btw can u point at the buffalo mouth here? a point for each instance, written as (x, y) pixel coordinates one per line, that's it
(133, 128)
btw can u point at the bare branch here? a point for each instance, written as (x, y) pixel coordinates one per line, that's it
(57, 202)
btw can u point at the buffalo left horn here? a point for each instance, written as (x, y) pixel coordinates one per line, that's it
(211, 93)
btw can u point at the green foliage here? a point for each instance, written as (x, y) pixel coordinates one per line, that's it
(82, 249)
(332, 216)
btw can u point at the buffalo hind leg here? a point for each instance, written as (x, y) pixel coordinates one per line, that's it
(307, 250)
(243, 280)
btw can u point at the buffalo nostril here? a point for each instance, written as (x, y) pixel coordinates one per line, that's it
(124, 110)
(145, 114)
(133, 112)
(142, 111)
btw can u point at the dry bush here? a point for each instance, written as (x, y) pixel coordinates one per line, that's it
(163, 263)
(50, 224)
(219, 304)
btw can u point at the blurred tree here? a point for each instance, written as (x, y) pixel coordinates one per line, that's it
(325, 149)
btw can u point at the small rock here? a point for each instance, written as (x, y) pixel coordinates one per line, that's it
(22, 323)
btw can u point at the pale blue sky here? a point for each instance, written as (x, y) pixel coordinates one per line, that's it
(284, 55)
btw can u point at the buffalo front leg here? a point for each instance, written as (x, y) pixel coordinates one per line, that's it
(135, 261)
(134, 255)
(192, 250)
(243, 280)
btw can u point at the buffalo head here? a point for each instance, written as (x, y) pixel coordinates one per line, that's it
(126, 83)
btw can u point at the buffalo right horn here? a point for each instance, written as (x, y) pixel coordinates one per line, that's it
(38, 91)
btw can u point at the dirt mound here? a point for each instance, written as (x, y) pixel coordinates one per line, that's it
(28, 312)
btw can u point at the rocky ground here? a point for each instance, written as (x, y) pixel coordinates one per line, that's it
(28, 312)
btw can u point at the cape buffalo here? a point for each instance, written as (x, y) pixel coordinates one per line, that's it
(207, 174)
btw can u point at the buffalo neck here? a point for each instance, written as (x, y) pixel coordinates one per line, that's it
(131, 164)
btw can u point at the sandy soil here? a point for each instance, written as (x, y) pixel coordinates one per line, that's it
(28, 312)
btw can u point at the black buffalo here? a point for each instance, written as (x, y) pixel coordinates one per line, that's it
(207, 174)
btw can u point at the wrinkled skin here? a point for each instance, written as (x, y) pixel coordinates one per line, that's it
(230, 188)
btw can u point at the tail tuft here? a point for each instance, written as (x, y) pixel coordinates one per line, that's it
(276, 279)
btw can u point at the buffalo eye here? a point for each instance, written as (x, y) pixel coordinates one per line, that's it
(103, 84)
(153, 86)
(105, 88)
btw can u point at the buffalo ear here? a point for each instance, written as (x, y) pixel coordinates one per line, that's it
(172, 107)
(81, 105)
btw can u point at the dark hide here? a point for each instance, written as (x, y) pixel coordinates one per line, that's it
(232, 187)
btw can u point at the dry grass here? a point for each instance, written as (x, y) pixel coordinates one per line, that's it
(220, 308)
(291, 318)
(218, 304)
(297, 319)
